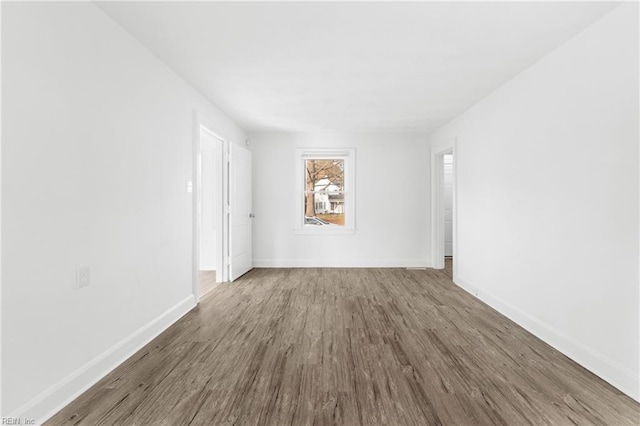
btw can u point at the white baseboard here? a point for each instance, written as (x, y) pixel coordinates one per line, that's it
(52, 400)
(599, 364)
(340, 263)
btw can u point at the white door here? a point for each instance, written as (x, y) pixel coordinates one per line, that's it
(240, 211)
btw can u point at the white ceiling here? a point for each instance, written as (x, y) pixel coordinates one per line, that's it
(350, 66)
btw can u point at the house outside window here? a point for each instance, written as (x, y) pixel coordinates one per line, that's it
(326, 187)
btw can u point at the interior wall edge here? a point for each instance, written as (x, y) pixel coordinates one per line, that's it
(610, 371)
(53, 399)
(340, 263)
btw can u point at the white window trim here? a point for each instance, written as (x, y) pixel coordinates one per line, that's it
(349, 157)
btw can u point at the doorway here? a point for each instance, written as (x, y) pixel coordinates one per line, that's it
(447, 165)
(443, 213)
(221, 243)
(209, 196)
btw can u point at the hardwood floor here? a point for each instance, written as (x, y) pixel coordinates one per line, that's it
(448, 267)
(207, 281)
(350, 347)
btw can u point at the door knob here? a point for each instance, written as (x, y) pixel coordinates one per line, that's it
(251, 215)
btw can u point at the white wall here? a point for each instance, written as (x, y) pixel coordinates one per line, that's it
(392, 202)
(547, 193)
(97, 149)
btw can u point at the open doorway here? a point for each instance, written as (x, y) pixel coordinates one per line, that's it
(443, 213)
(447, 164)
(210, 215)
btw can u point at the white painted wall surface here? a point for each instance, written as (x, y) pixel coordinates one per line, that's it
(392, 187)
(97, 143)
(547, 192)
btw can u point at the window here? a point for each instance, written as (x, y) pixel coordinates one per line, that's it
(325, 182)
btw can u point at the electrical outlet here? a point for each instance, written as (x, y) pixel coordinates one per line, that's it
(82, 276)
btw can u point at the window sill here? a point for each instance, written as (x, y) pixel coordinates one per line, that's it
(318, 230)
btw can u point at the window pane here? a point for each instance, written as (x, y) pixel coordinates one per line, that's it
(328, 208)
(324, 175)
(324, 192)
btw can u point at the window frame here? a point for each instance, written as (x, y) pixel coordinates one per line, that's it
(348, 156)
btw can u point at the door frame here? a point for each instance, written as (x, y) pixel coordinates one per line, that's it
(222, 225)
(438, 207)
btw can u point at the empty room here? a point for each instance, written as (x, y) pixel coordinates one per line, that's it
(297, 213)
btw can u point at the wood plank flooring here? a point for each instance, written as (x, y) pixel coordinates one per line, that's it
(347, 347)
(207, 280)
